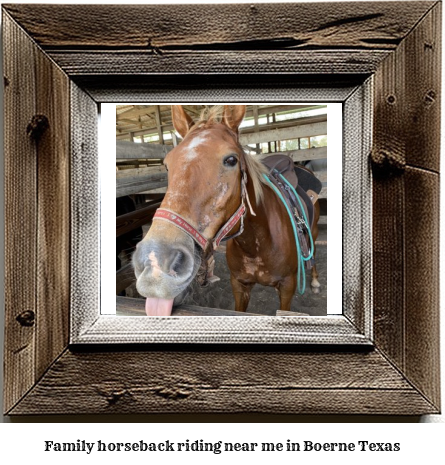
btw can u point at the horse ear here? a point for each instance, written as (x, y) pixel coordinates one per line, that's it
(233, 115)
(181, 120)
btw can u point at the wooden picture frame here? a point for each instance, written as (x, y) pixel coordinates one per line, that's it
(382, 357)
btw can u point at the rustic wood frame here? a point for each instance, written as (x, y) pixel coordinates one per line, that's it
(56, 68)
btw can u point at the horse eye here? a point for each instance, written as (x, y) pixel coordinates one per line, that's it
(230, 160)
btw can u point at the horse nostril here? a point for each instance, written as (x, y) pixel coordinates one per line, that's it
(178, 263)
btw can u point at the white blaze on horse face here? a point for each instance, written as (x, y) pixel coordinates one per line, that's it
(192, 153)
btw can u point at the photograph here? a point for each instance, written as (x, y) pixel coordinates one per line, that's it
(214, 199)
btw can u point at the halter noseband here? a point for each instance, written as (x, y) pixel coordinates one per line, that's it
(177, 220)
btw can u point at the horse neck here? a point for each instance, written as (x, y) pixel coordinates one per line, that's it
(255, 226)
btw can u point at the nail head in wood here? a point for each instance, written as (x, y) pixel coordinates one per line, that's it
(26, 318)
(389, 162)
(430, 97)
(37, 126)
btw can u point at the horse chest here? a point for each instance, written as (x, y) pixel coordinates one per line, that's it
(254, 269)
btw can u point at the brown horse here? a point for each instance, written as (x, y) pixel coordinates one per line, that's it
(211, 179)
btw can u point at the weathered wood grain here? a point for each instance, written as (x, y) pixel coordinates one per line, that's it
(124, 278)
(423, 91)
(422, 325)
(388, 200)
(53, 226)
(315, 153)
(407, 114)
(135, 172)
(357, 209)
(132, 150)
(132, 220)
(305, 130)
(293, 122)
(20, 213)
(85, 240)
(126, 306)
(219, 88)
(209, 380)
(134, 181)
(370, 25)
(130, 186)
(78, 63)
(388, 270)
(405, 203)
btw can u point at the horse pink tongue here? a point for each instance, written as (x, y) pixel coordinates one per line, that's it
(158, 307)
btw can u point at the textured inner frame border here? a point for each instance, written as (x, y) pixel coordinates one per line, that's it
(353, 327)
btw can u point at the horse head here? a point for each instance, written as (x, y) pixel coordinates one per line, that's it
(204, 190)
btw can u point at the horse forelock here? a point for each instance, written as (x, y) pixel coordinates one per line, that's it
(209, 116)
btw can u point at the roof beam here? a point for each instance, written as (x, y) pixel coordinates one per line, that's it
(296, 132)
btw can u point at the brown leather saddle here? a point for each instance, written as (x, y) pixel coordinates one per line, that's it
(306, 185)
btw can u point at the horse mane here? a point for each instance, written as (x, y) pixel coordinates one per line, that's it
(255, 169)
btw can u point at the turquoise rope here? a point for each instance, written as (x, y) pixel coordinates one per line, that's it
(301, 288)
(304, 216)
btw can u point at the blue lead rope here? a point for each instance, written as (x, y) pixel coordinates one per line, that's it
(304, 216)
(301, 276)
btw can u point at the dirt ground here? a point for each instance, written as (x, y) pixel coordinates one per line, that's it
(264, 300)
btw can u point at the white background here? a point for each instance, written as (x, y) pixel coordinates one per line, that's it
(107, 176)
(24, 440)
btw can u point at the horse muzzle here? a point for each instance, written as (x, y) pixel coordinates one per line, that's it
(164, 269)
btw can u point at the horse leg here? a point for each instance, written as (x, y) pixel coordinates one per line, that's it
(315, 285)
(241, 293)
(286, 291)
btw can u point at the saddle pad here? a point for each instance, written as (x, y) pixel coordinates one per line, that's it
(307, 180)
